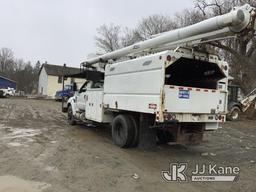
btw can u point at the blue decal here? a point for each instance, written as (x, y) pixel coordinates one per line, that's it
(184, 94)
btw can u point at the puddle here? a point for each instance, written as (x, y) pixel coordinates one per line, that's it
(16, 133)
(2, 126)
(50, 169)
(15, 184)
(14, 144)
(17, 136)
(20, 133)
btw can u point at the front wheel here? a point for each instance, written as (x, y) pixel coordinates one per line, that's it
(71, 118)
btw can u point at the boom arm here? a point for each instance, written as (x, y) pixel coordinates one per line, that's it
(249, 100)
(232, 23)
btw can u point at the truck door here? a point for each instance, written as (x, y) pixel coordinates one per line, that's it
(81, 97)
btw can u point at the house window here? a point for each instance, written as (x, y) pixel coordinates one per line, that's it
(60, 79)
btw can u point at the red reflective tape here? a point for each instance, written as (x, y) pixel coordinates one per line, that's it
(190, 89)
(181, 88)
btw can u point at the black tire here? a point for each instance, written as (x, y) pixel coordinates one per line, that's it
(135, 141)
(71, 118)
(123, 131)
(164, 136)
(234, 114)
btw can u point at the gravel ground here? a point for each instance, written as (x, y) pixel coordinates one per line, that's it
(39, 151)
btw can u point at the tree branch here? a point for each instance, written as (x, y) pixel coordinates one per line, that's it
(252, 48)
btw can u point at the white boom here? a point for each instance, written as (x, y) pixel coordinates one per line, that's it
(248, 100)
(239, 19)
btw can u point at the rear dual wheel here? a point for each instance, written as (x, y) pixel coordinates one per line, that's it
(125, 131)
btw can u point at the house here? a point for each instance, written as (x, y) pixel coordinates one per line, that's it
(50, 79)
(6, 82)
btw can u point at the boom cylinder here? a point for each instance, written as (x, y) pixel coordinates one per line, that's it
(236, 20)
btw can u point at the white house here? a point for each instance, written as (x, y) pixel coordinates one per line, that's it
(50, 79)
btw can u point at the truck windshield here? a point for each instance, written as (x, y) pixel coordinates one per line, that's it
(193, 73)
(68, 87)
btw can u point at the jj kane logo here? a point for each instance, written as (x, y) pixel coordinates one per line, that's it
(178, 172)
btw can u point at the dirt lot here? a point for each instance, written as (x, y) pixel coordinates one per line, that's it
(39, 151)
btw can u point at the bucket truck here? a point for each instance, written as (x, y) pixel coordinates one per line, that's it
(162, 89)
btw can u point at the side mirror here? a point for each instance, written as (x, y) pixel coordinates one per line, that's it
(74, 87)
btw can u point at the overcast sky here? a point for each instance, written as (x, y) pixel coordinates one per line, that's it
(63, 31)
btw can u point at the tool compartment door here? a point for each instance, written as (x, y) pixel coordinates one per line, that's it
(191, 100)
(94, 107)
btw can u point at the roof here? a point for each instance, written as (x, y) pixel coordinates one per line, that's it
(6, 78)
(58, 70)
(88, 74)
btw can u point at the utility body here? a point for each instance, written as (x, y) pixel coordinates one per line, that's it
(151, 92)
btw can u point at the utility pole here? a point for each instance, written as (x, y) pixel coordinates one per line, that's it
(63, 84)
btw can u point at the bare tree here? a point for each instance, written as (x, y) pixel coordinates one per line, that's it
(109, 37)
(129, 37)
(189, 17)
(25, 74)
(112, 37)
(6, 59)
(154, 24)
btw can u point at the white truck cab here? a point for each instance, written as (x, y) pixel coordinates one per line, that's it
(83, 103)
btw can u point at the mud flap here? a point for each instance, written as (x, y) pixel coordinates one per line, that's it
(147, 135)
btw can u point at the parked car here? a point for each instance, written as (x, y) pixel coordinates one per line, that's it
(7, 92)
(66, 93)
